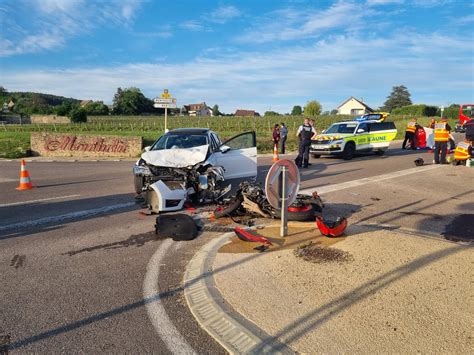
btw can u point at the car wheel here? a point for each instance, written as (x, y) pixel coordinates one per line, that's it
(138, 184)
(379, 152)
(316, 156)
(226, 210)
(300, 214)
(349, 151)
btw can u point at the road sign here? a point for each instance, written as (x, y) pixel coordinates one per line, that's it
(273, 183)
(165, 94)
(159, 100)
(158, 105)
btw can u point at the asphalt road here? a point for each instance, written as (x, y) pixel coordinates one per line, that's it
(75, 251)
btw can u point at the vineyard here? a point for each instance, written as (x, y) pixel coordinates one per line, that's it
(15, 139)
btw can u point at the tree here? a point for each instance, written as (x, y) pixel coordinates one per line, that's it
(131, 101)
(3, 91)
(65, 108)
(312, 108)
(271, 113)
(215, 110)
(297, 111)
(78, 115)
(96, 109)
(398, 98)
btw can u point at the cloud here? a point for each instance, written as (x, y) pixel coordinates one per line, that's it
(329, 70)
(193, 25)
(290, 24)
(225, 13)
(384, 2)
(56, 21)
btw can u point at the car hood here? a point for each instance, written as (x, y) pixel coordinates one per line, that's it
(330, 137)
(176, 158)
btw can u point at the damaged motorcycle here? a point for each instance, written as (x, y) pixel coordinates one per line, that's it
(251, 199)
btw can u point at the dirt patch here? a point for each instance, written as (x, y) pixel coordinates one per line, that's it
(461, 228)
(298, 234)
(317, 253)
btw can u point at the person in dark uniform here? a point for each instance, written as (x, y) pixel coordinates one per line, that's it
(305, 133)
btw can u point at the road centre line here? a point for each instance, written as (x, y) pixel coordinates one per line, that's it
(35, 201)
(67, 216)
(354, 183)
(173, 339)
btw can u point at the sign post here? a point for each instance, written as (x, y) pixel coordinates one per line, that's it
(442, 110)
(281, 187)
(165, 101)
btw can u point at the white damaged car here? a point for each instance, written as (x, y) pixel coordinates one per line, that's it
(192, 163)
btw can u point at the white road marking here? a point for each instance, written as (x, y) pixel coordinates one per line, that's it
(354, 183)
(63, 217)
(164, 327)
(35, 201)
(7, 180)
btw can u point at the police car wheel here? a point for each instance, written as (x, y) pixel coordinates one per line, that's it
(316, 156)
(348, 152)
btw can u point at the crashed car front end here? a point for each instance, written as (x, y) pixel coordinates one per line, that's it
(166, 188)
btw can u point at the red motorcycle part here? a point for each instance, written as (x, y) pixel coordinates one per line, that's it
(247, 236)
(331, 228)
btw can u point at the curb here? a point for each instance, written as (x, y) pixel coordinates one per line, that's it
(235, 333)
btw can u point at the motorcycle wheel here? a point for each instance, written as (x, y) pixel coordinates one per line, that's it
(226, 210)
(300, 214)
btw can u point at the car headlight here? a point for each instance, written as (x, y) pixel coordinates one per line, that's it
(337, 141)
(142, 170)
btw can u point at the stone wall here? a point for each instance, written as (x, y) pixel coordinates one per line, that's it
(49, 119)
(78, 145)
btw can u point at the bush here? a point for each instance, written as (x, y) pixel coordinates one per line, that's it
(450, 112)
(78, 115)
(416, 110)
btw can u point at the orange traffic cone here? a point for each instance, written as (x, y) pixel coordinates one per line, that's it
(275, 153)
(25, 181)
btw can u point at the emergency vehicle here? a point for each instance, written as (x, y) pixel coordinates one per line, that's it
(367, 133)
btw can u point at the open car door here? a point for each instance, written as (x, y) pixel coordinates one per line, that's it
(238, 156)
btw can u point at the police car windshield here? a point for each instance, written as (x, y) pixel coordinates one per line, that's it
(169, 141)
(342, 128)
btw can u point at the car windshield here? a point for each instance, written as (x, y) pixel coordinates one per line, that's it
(342, 128)
(172, 141)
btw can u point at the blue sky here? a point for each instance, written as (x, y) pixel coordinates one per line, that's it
(262, 55)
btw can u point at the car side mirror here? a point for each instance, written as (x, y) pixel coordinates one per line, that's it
(147, 149)
(224, 149)
(360, 130)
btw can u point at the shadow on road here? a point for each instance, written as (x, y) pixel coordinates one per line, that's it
(48, 216)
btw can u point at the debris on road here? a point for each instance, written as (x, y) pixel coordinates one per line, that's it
(331, 228)
(249, 236)
(177, 226)
(317, 253)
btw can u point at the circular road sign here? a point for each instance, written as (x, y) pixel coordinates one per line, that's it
(273, 183)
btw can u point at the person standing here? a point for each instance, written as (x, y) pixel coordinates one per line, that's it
(276, 135)
(441, 137)
(410, 134)
(304, 133)
(283, 137)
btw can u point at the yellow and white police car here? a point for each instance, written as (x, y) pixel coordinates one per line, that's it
(368, 133)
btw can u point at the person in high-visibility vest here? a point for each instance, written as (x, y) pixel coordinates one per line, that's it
(441, 138)
(463, 152)
(410, 134)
